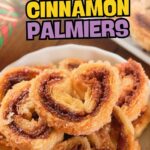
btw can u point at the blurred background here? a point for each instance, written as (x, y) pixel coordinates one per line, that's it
(13, 42)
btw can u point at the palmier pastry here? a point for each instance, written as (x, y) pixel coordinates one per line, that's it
(75, 143)
(80, 103)
(20, 123)
(117, 135)
(101, 140)
(14, 76)
(123, 131)
(70, 63)
(142, 122)
(134, 89)
(140, 23)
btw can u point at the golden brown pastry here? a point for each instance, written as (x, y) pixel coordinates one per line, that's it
(140, 23)
(40, 103)
(117, 135)
(79, 103)
(134, 89)
(142, 122)
(70, 63)
(101, 140)
(14, 76)
(4, 145)
(123, 131)
(75, 143)
(20, 123)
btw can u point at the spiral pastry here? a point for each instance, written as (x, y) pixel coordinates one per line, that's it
(117, 135)
(75, 143)
(142, 122)
(140, 23)
(75, 103)
(20, 123)
(70, 63)
(134, 89)
(14, 76)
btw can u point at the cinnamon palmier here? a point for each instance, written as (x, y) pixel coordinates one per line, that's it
(75, 143)
(117, 135)
(11, 77)
(122, 132)
(14, 76)
(134, 89)
(70, 63)
(20, 123)
(78, 103)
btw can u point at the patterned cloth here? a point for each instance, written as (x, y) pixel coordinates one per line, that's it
(10, 12)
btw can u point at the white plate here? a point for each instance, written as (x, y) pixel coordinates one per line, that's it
(54, 54)
(132, 47)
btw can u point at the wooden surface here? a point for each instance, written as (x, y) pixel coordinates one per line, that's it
(17, 46)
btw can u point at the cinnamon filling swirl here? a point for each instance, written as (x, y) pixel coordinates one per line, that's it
(131, 71)
(17, 77)
(98, 80)
(129, 94)
(42, 131)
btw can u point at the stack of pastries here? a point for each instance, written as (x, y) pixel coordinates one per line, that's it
(140, 22)
(74, 105)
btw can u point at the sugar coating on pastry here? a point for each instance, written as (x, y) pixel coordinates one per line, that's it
(102, 139)
(15, 75)
(119, 134)
(75, 143)
(98, 105)
(134, 88)
(4, 144)
(74, 103)
(123, 131)
(20, 123)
